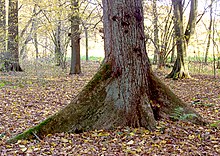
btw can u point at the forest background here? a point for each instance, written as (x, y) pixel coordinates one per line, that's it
(44, 54)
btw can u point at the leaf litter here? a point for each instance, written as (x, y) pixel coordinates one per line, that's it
(30, 97)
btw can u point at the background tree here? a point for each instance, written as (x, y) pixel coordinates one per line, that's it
(34, 25)
(13, 38)
(180, 69)
(124, 92)
(31, 35)
(75, 39)
(166, 38)
(156, 32)
(160, 32)
(172, 58)
(2, 26)
(209, 32)
(91, 16)
(57, 37)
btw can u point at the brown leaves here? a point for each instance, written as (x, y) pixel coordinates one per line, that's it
(28, 99)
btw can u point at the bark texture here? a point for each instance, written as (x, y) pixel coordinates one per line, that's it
(156, 32)
(12, 62)
(75, 39)
(209, 32)
(124, 92)
(2, 26)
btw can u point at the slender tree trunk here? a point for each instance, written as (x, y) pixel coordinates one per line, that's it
(156, 33)
(218, 62)
(209, 33)
(2, 27)
(172, 60)
(166, 40)
(87, 44)
(180, 69)
(30, 33)
(124, 92)
(75, 40)
(28, 39)
(87, 40)
(58, 52)
(13, 50)
(36, 44)
(34, 24)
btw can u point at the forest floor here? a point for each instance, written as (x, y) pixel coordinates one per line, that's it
(29, 97)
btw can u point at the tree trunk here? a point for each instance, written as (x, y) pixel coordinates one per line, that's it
(75, 40)
(87, 40)
(166, 40)
(58, 52)
(13, 50)
(156, 32)
(28, 38)
(218, 62)
(2, 26)
(34, 24)
(209, 33)
(180, 69)
(87, 44)
(172, 59)
(124, 92)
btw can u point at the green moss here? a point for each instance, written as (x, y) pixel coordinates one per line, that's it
(103, 74)
(88, 105)
(28, 134)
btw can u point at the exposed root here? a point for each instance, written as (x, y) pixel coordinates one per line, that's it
(100, 106)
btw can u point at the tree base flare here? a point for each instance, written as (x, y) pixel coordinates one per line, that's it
(8, 66)
(178, 72)
(99, 106)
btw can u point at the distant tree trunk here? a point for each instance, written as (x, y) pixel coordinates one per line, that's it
(87, 40)
(209, 33)
(124, 92)
(87, 46)
(166, 40)
(2, 27)
(172, 60)
(58, 52)
(27, 40)
(13, 61)
(34, 24)
(36, 44)
(156, 32)
(218, 62)
(75, 40)
(29, 37)
(180, 69)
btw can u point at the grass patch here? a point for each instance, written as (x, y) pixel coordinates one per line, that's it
(3, 83)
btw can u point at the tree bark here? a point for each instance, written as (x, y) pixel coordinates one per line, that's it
(172, 59)
(13, 50)
(124, 92)
(209, 33)
(156, 32)
(34, 24)
(87, 40)
(180, 69)
(58, 52)
(2, 26)
(218, 62)
(75, 40)
(87, 44)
